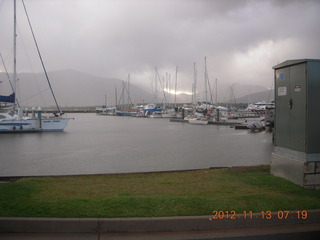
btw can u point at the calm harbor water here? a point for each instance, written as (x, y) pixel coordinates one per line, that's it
(93, 144)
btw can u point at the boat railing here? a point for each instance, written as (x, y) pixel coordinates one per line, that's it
(244, 114)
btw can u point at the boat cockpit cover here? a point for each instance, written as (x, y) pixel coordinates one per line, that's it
(9, 99)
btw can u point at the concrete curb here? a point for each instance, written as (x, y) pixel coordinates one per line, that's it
(157, 224)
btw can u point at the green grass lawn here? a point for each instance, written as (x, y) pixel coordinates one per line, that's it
(183, 193)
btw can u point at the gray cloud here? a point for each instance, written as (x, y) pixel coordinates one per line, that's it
(242, 39)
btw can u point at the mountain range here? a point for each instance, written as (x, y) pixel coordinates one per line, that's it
(267, 95)
(74, 88)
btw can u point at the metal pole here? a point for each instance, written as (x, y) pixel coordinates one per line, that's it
(195, 83)
(14, 82)
(175, 90)
(205, 80)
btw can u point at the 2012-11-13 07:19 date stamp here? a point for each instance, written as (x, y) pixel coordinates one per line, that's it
(282, 214)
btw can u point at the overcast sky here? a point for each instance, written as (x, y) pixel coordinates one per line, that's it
(242, 39)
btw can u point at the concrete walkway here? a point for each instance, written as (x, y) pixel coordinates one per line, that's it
(283, 232)
(255, 226)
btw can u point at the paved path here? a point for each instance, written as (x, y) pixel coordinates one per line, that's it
(171, 228)
(282, 232)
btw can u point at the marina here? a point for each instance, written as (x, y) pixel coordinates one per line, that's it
(161, 134)
(95, 144)
(240, 119)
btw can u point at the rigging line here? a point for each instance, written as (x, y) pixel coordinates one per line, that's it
(195, 73)
(161, 85)
(122, 94)
(234, 97)
(127, 87)
(210, 90)
(45, 71)
(5, 68)
(175, 88)
(155, 91)
(1, 5)
(35, 95)
(30, 65)
(9, 55)
(127, 90)
(271, 90)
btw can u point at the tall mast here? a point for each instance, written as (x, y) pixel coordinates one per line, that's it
(216, 90)
(175, 88)
(128, 90)
(116, 95)
(40, 57)
(195, 82)
(14, 82)
(205, 80)
(155, 93)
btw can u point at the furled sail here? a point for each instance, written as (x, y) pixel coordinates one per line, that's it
(9, 99)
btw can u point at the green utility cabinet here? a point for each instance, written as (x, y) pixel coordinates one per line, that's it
(296, 154)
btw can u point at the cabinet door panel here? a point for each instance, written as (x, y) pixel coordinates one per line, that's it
(282, 125)
(297, 94)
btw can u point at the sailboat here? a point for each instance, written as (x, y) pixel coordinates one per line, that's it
(15, 120)
(202, 119)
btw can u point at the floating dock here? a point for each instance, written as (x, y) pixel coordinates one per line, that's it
(213, 123)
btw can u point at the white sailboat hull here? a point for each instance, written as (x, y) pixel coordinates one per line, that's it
(34, 125)
(54, 124)
(8, 126)
(198, 121)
